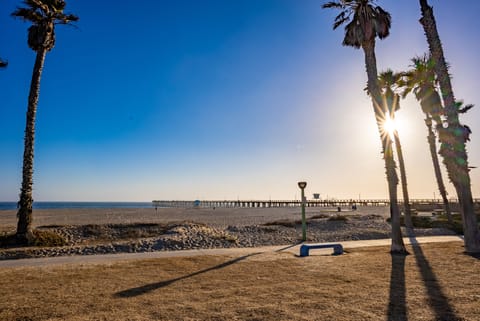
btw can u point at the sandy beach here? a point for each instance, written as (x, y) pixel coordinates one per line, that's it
(105, 231)
(219, 217)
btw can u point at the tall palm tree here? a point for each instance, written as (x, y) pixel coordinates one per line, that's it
(365, 22)
(43, 15)
(453, 136)
(422, 81)
(388, 81)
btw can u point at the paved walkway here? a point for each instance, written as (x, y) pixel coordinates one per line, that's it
(294, 249)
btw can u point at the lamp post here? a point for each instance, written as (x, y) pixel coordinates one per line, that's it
(302, 186)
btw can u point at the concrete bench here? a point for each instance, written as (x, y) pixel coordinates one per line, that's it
(305, 248)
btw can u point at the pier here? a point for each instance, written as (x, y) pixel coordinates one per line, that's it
(415, 203)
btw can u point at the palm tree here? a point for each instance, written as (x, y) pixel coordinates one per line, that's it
(365, 22)
(453, 136)
(43, 15)
(388, 81)
(421, 79)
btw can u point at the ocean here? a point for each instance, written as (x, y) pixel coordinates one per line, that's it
(59, 205)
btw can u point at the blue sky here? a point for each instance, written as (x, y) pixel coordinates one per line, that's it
(219, 99)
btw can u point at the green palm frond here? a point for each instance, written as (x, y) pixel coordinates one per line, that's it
(463, 110)
(43, 15)
(343, 17)
(364, 21)
(388, 82)
(383, 23)
(28, 15)
(332, 4)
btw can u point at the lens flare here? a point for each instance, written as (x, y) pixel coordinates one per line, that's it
(389, 126)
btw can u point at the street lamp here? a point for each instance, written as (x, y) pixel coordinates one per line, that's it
(302, 186)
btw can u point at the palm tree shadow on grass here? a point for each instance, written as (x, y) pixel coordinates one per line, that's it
(289, 246)
(397, 306)
(437, 299)
(474, 255)
(133, 292)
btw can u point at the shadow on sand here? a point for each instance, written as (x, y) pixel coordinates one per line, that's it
(133, 292)
(437, 300)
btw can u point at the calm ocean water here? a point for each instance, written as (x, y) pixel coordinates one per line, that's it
(54, 205)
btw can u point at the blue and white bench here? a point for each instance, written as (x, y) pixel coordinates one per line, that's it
(305, 248)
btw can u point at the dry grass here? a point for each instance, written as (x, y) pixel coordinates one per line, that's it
(435, 282)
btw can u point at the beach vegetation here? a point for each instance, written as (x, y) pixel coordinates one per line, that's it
(453, 135)
(93, 230)
(338, 218)
(284, 223)
(48, 239)
(366, 21)
(43, 15)
(319, 216)
(122, 231)
(295, 223)
(225, 237)
(454, 223)
(41, 238)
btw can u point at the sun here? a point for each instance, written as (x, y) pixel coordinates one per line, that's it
(390, 126)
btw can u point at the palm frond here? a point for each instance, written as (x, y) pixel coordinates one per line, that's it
(463, 110)
(65, 19)
(28, 15)
(340, 22)
(354, 35)
(44, 15)
(365, 21)
(332, 4)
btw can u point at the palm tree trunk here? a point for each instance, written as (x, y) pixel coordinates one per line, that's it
(436, 167)
(403, 176)
(397, 245)
(24, 226)
(453, 148)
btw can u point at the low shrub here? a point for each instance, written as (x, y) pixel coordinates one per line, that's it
(341, 218)
(440, 221)
(48, 239)
(7, 239)
(40, 238)
(93, 230)
(417, 221)
(226, 237)
(319, 216)
(285, 223)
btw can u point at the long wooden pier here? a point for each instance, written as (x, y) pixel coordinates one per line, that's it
(296, 203)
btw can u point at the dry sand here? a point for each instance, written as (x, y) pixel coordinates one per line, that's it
(219, 217)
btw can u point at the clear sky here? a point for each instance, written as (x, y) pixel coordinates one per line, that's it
(220, 99)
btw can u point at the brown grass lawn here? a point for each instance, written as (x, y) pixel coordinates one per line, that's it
(435, 282)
